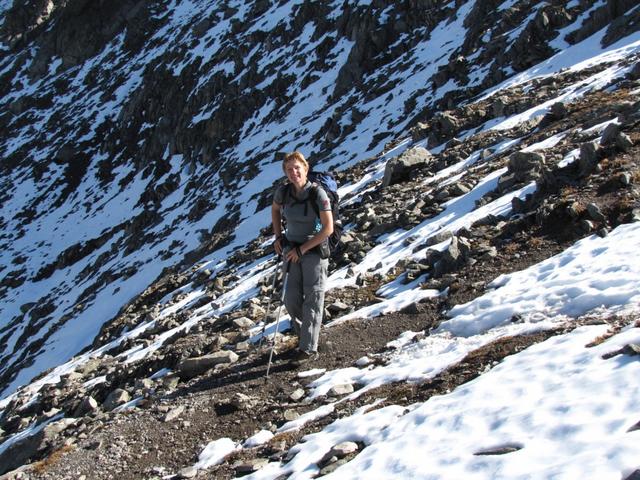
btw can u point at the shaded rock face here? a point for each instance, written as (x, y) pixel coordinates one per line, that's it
(135, 128)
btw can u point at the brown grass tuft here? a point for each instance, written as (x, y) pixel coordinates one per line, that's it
(625, 203)
(41, 466)
(511, 248)
(536, 242)
(579, 207)
(568, 192)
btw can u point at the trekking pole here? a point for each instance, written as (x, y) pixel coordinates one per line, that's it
(275, 333)
(273, 286)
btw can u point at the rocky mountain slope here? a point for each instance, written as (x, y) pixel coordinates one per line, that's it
(140, 144)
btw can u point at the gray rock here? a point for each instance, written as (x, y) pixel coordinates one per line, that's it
(89, 366)
(336, 456)
(382, 228)
(250, 466)
(20, 451)
(116, 398)
(587, 226)
(243, 402)
(173, 414)
(197, 365)
(338, 307)
(339, 390)
(526, 165)
(399, 169)
(244, 323)
(506, 181)
(290, 415)
(458, 189)
(623, 179)
(589, 157)
(332, 465)
(624, 142)
(609, 134)
(439, 237)
(411, 309)
(88, 405)
(455, 255)
(500, 450)
(595, 213)
(343, 449)
(559, 110)
(632, 349)
(297, 394)
(454, 142)
(635, 475)
(188, 472)
(170, 382)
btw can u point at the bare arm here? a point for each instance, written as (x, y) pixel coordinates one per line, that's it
(276, 224)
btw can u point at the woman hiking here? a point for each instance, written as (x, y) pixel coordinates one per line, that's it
(305, 250)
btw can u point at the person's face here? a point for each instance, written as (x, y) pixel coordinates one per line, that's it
(296, 172)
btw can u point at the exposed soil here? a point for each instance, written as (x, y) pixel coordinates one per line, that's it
(139, 444)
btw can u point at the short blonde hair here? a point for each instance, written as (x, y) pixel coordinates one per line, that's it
(294, 157)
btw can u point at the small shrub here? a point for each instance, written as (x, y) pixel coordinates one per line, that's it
(511, 248)
(625, 204)
(568, 192)
(579, 207)
(536, 242)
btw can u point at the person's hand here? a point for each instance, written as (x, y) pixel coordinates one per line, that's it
(294, 255)
(277, 245)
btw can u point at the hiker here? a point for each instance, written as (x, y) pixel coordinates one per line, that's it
(304, 248)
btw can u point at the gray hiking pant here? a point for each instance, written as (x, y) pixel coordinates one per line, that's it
(304, 298)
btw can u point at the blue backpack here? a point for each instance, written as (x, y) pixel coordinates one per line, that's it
(327, 181)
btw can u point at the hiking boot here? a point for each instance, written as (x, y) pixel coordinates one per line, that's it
(302, 357)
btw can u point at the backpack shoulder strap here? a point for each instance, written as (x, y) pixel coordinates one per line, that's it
(313, 198)
(284, 189)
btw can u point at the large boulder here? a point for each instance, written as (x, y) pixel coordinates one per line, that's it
(399, 169)
(190, 367)
(589, 158)
(523, 167)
